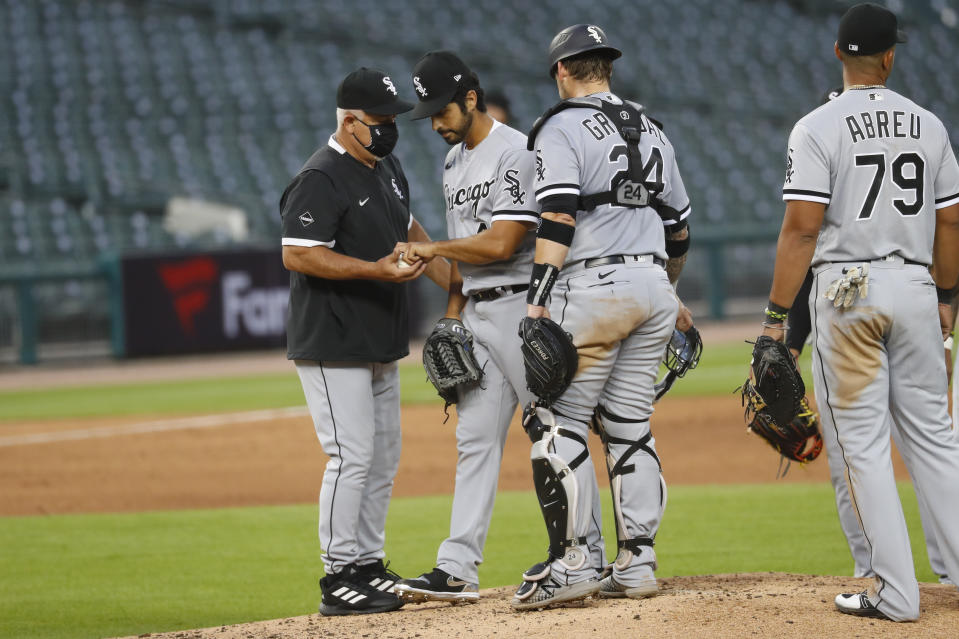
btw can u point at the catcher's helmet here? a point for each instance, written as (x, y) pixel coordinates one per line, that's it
(576, 39)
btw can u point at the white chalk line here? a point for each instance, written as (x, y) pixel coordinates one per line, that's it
(155, 426)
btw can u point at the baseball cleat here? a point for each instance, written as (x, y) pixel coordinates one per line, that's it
(378, 575)
(437, 585)
(858, 604)
(536, 595)
(349, 593)
(610, 588)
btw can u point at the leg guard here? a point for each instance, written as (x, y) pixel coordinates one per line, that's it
(618, 465)
(555, 484)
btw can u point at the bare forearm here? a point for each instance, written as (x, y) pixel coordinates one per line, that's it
(945, 256)
(320, 261)
(456, 300)
(794, 253)
(475, 249)
(439, 272)
(436, 270)
(674, 266)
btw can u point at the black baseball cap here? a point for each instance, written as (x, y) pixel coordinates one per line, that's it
(371, 91)
(867, 29)
(436, 78)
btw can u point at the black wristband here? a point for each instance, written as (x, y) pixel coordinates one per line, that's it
(541, 283)
(556, 232)
(776, 308)
(945, 295)
(677, 248)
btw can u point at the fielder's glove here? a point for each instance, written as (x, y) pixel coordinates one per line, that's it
(799, 440)
(774, 391)
(844, 290)
(449, 360)
(549, 356)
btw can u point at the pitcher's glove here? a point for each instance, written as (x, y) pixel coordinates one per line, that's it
(449, 360)
(549, 356)
(799, 440)
(774, 391)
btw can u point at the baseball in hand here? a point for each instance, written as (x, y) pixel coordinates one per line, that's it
(400, 262)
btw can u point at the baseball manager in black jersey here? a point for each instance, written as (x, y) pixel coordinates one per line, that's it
(347, 325)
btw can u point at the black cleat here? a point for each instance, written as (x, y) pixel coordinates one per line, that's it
(349, 593)
(437, 585)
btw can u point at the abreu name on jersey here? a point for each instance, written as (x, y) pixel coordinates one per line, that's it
(883, 124)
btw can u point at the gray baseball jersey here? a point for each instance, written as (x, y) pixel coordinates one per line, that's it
(620, 314)
(882, 164)
(482, 185)
(580, 152)
(493, 181)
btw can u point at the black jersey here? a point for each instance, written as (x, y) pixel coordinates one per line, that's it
(337, 202)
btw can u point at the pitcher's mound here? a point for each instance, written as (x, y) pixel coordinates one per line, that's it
(738, 605)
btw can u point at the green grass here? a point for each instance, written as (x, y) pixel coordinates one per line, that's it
(722, 369)
(188, 397)
(107, 575)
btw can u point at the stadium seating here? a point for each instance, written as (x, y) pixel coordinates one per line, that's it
(109, 107)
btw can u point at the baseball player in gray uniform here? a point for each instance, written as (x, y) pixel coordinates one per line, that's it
(488, 183)
(614, 223)
(800, 327)
(872, 192)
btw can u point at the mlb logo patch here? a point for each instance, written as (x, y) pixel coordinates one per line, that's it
(875, 97)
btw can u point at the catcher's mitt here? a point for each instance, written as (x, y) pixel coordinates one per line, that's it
(799, 440)
(549, 356)
(448, 358)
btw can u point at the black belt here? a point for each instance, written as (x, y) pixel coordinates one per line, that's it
(498, 292)
(616, 259)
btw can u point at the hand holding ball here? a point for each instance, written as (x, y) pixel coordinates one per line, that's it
(401, 263)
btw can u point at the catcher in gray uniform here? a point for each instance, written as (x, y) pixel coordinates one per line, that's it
(491, 213)
(872, 199)
(611, 243)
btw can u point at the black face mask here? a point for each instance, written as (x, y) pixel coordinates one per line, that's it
(383, 139)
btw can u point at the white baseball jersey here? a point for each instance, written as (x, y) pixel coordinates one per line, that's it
(580, 152)
(882, 165)
(490, 182)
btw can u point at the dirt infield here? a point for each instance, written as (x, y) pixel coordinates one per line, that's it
(754, 605)
(95, 466)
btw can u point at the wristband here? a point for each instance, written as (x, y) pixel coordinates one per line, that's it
(776, 308)
(945, 295)
(556, 232)
(541, 283)
(677, 248)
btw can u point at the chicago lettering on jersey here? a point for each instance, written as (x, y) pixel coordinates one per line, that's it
(472, 194)
(883, 124)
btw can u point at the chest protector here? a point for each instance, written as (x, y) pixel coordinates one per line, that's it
(628, 118)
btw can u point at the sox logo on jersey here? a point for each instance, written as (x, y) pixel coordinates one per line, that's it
(514, 189)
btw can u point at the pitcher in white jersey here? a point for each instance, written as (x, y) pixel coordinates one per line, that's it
(872, 193)
(491, 215)
(612, 240)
